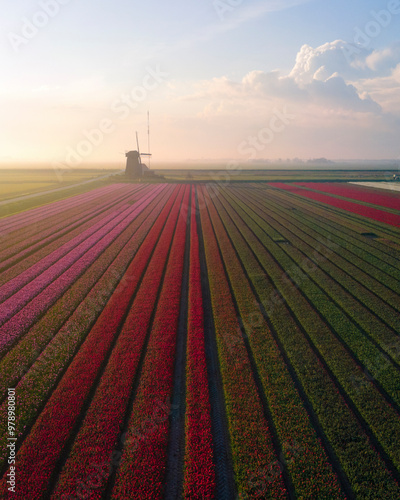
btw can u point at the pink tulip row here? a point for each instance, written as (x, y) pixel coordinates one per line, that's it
(46, 254)
(23, 219)
(25, 240)
(49, 346)
(42, 448)
(47, 288)
(43, 262)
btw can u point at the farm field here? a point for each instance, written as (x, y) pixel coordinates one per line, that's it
(42, 180)
(236, 172)
(229, 341)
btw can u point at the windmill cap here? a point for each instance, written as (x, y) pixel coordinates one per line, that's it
(133, 154)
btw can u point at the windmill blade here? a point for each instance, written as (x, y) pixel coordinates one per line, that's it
(137, 142)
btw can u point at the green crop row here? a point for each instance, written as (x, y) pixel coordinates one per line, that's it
(309, 468)
(315, 261)
(352, 232)
(366, 273)
(251, 442)
(321, 391)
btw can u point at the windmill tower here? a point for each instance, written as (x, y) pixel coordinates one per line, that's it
(134, 166)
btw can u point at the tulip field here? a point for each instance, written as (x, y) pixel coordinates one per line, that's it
(202, 340)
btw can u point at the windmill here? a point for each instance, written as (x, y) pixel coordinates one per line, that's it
(134, 166)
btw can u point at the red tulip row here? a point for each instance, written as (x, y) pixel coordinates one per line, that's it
(199, 478)
(144, 459)
(42, 448)
(250, 435)
(371, 213)
(355, 192)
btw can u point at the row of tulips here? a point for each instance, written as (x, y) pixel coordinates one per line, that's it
(250, 434)
(46, 351)
(74, 243)
(23, 219)
(142, 471)
(323, 367)
(347, 233)
(47, 288)
(199, 469)
(42, 448)
(22, 249)
(354, 192)
(355, 208)
(310, 471)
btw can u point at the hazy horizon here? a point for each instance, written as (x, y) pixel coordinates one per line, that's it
(222, 164)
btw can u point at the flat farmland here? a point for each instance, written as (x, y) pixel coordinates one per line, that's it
(36, 181)
(202, 340)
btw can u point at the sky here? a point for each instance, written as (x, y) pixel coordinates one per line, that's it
(221, 79)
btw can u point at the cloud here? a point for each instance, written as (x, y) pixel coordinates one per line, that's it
(384, 89)
(322, 77)
(331, 58)
(384, 60)
(337, 93)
